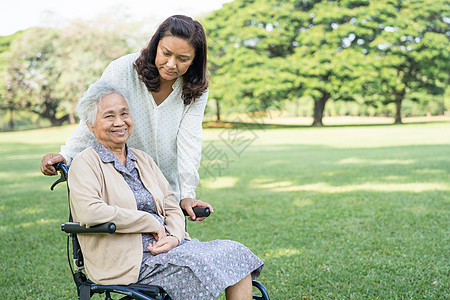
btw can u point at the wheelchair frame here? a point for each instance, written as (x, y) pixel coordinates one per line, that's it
(86, 288)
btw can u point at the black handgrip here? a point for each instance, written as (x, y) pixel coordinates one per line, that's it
(71, 227)
(63, 170)
(199, 212)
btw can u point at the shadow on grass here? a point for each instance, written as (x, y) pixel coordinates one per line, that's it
(299, 165)
(261, 124)
(338, 223)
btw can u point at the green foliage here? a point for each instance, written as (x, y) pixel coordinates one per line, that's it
(34, 71)
(5, 91)
(48, 69)
(410, 54)
(265, 52)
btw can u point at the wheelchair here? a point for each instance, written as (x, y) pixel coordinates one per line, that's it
(86, 288)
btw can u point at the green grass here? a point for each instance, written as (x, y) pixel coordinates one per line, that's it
(351, 212)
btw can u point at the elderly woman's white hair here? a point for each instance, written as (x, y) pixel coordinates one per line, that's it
(92, 98)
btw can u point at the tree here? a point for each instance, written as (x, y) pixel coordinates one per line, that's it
(88, 48)
(292, 49)
(411, 51)
(6, 102)
(49, 68)
(271, 50)
(35, 67)
(242, 74)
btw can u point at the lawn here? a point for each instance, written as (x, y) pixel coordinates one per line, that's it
(341, 212)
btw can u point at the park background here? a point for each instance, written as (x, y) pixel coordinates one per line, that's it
(354, 207)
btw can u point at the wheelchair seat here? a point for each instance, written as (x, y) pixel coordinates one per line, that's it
(86, 288)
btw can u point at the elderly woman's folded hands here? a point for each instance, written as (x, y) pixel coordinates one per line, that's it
(164, 243)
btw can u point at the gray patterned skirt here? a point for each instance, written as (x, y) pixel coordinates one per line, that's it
(199, 270)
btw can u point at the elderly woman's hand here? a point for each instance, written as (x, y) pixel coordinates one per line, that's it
(188, 204)
(163, 245)
(160, 234)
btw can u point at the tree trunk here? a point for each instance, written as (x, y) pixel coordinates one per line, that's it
(319, 107)
(72, 120)
(11, 120)
(217, 110)
(398, 114)
(55, 121)
(398, 104)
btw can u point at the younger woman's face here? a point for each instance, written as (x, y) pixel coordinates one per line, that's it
(174, 56)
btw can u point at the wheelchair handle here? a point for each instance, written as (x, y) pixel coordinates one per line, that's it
(72, 227)
(61, 167)
(199, 212)
(63, 170)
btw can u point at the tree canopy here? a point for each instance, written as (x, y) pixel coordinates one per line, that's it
(262, 55)
(46, 70)
(270, 51)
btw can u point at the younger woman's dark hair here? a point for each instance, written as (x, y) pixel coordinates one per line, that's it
(196, 77)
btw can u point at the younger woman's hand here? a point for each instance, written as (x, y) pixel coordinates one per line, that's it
(188, 204)
(164, 245)
(48, 161)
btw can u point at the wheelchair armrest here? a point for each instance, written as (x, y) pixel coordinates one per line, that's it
(199, 212)
(71, 227)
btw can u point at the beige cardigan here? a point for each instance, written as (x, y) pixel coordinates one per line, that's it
(99, 194)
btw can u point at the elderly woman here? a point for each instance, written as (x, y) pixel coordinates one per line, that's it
(111, 182)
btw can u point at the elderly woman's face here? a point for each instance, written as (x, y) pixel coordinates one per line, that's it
(113, 123)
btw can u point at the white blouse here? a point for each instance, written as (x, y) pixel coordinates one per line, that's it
(170, 133)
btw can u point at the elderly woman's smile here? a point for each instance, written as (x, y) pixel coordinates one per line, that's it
(113, 123)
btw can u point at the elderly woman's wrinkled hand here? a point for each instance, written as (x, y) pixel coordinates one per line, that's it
(164, 245)
(160, 234)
